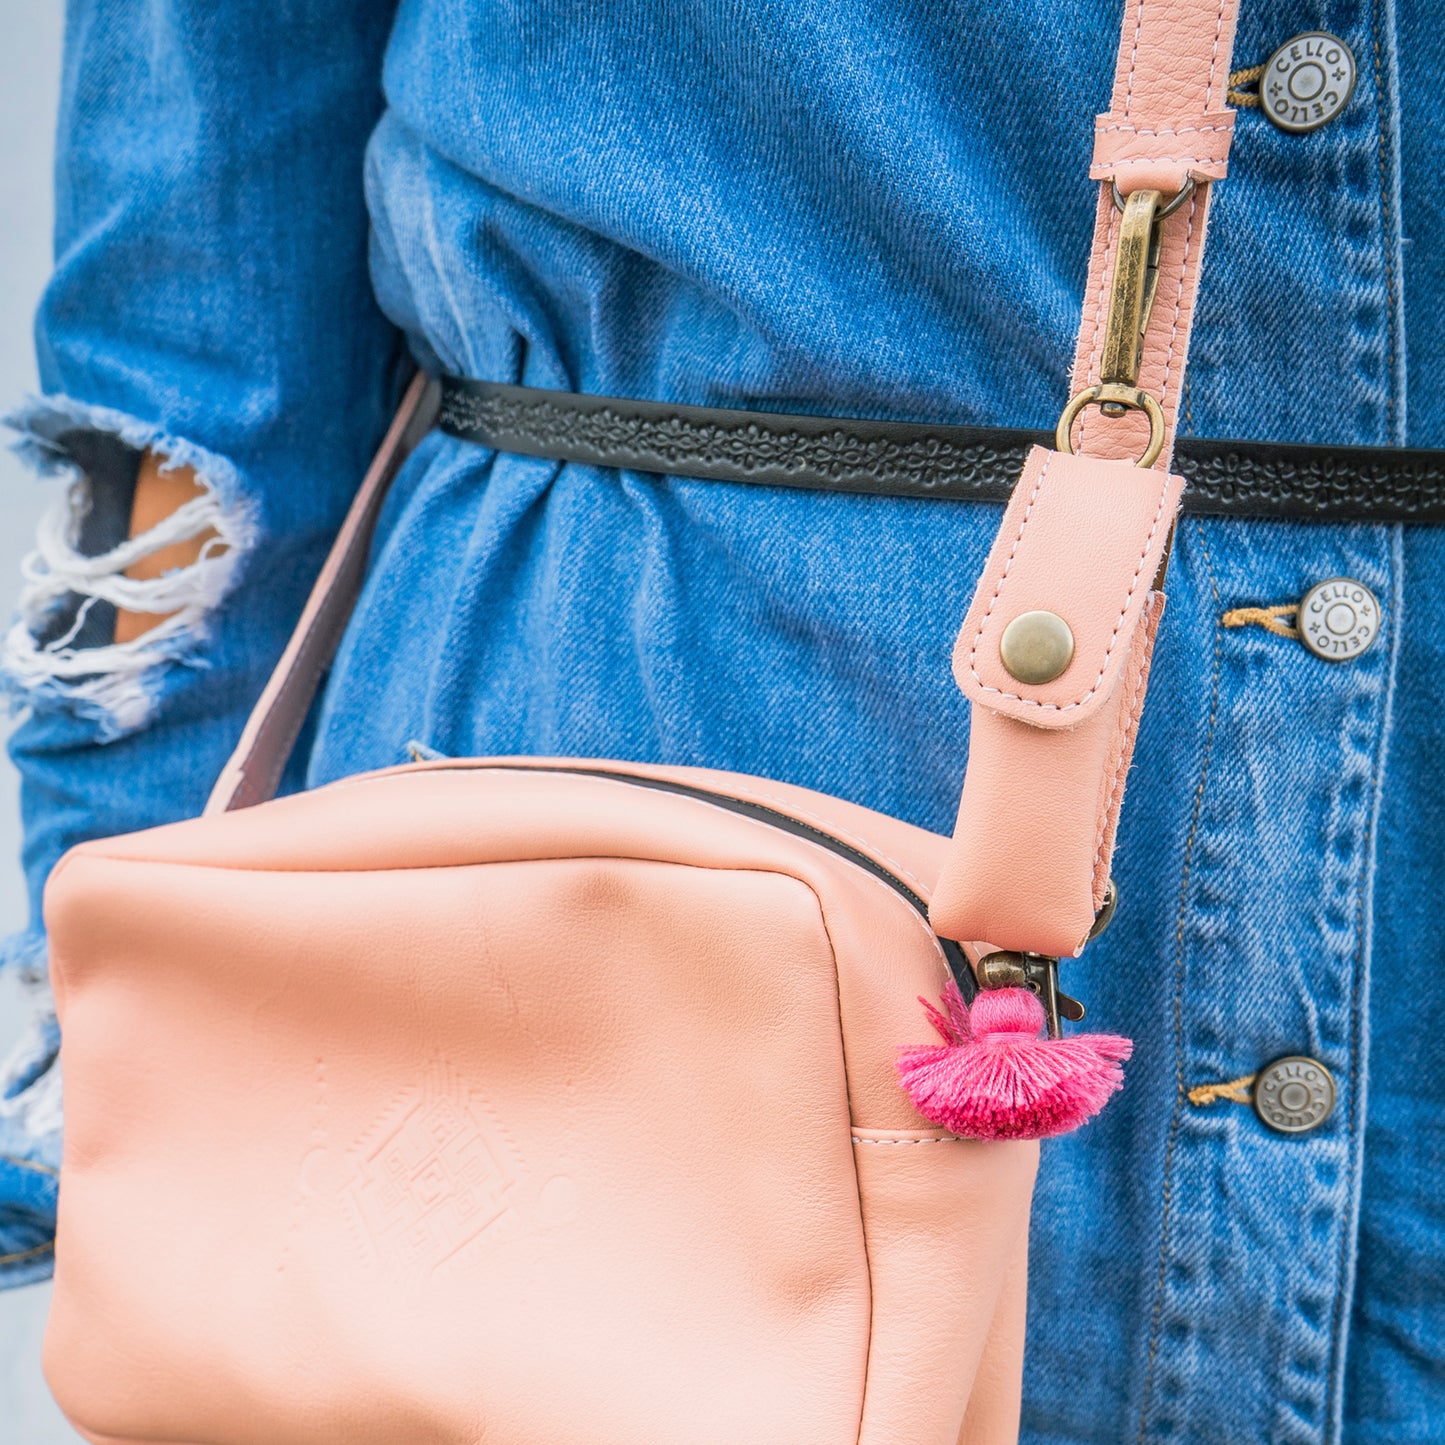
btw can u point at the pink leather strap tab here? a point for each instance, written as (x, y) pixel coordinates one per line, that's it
(1160, 155)
(1083, 538)
(1100, 588)
(254, 770)
(1029, 862)
(1166, 120)
(1086, 535)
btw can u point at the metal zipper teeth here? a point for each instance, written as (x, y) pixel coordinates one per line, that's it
(958, 964)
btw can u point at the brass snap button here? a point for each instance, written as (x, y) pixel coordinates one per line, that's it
(1036, 647)
(1339, 619)
(1307, 82)
(1294, 1094)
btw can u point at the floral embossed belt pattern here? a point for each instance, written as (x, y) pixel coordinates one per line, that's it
(911, 459)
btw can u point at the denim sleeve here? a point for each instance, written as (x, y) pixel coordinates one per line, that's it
(210, 301)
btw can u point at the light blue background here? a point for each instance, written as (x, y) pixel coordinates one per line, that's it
(29, 78)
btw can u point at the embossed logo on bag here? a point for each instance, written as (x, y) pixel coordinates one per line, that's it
(432, 1175)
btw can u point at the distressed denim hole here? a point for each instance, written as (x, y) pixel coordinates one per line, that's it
(61, 650)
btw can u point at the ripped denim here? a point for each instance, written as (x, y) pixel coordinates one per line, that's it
(58, 650)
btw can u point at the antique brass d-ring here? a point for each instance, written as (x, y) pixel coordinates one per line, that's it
(1128, 397)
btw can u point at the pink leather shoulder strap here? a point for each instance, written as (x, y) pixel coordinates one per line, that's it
(1086, 536)
(1167, 125)
(254, 771)
(1167, 120)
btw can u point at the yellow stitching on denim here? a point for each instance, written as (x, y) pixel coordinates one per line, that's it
(1387, 219)
(1269, 618)
(1238, 79)
(1176, 1117)
(1237, 1091)
(28, 1253)
(29, 1164)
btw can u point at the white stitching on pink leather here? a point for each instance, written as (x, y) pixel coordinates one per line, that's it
(1161, 130)
(1119, 622)
(1096, 346)
(1214, 58)
(1123, 161)
(1003, 576)
(1132, 712)
(947, 1139)
(1134, 54)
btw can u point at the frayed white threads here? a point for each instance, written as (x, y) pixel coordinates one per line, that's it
(108, 682)
(116, 684)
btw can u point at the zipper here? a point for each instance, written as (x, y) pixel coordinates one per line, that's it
(954, 956)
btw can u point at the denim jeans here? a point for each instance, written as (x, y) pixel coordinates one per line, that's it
(850, 208)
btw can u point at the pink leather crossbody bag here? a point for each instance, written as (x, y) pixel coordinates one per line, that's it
(549, 1102)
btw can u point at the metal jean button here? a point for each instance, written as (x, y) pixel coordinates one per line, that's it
(1294, 1094)
(1307, 82)
(1339, 619)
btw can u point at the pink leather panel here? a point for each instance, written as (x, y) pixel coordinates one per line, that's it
(1082, 538)
(443, 1170)
(1029, 865)
(994, 1405)
(447, 981)
(918, 1351)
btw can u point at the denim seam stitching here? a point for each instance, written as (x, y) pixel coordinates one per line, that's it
(1386, 230)
(1177, 1118)
(1350, 1226)
(23, 1254)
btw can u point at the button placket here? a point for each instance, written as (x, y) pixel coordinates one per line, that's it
(1274, 941)
(1305, 217)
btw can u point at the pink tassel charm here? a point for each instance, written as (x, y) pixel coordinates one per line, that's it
(994, 1077)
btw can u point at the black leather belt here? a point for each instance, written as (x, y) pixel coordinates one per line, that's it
(908, 459)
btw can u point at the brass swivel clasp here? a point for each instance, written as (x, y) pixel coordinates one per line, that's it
(1131, 302)
(1131, 298)
(1037, 972)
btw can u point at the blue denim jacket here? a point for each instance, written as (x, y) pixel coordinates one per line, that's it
(839, 207)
